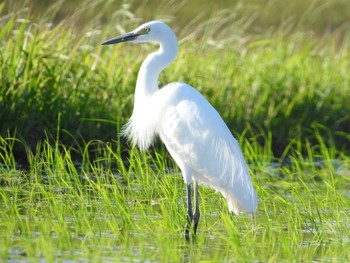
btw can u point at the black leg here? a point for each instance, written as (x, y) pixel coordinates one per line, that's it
(197, 213)
(253, 219)
(189, 217)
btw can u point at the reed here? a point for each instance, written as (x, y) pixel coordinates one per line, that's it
(73, 190)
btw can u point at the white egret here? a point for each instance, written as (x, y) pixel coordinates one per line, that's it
(191, 129)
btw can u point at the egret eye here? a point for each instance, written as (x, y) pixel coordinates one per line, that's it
(143, 30)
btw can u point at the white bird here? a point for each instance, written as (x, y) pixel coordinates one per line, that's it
(191, 129)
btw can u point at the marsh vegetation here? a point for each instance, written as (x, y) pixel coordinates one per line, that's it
(72, 189)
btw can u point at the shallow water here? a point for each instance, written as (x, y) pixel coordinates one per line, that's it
(110, 218)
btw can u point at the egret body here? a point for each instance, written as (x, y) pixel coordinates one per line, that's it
(191, 129)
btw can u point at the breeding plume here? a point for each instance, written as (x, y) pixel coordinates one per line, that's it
(191, 129)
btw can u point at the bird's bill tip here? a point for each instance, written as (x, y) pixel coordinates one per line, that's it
(123, 38)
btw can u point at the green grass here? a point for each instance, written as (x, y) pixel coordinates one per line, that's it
(281, 82)
(107, 209)
(72, 189)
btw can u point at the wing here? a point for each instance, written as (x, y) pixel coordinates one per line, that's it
(199, 140)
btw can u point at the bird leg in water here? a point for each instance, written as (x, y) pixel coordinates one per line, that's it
(197, 213)
(192, 219)
(189, 216)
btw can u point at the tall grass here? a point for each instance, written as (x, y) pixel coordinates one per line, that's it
(281, 84)
(109, 209)
(71, 189)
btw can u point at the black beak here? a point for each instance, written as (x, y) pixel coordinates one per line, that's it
(123, 38)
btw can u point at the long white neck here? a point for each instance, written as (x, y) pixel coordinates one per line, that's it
(142, 127)
(147, 80)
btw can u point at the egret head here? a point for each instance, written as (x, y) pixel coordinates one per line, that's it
(154, 32)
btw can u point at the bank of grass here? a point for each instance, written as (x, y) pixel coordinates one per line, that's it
(109, 209)
(278, 83)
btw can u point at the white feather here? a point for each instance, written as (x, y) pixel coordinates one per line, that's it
(192, 130)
